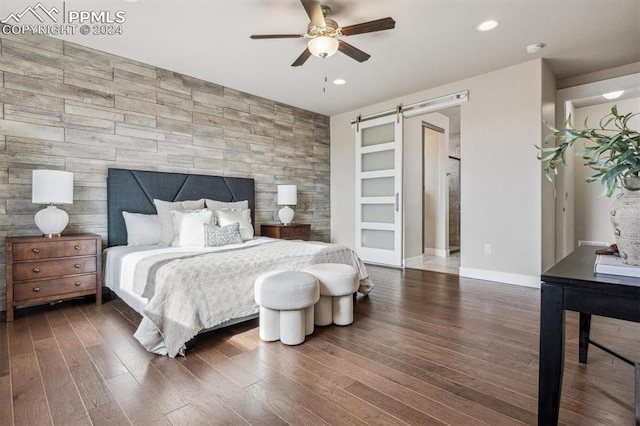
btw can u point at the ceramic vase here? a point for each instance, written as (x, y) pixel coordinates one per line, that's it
(625, 218)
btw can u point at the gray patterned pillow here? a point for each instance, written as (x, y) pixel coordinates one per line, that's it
(215, 236)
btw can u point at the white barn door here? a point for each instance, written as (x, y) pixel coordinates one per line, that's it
(379, 190)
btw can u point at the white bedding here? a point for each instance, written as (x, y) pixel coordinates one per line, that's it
(122, 262)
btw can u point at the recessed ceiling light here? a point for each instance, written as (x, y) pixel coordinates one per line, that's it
(339, 81)
(613, 95)
(487, 25)
(535, 47)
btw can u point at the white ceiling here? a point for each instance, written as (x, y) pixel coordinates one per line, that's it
(434, 42)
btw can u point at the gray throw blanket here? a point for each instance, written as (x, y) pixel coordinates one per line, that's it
(191, 292)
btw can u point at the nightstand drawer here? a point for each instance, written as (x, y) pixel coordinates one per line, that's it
(51, 249)
(293, 232)
(57, 286)
(53, 268)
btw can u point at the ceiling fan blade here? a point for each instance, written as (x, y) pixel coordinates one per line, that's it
(369, 27)
(264, 36)
(313, 9)
(302, 58)
(353, 52)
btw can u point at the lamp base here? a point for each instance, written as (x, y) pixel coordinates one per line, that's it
(286, 215)
(51, 221)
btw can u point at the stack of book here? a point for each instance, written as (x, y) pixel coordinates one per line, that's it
(608, 264)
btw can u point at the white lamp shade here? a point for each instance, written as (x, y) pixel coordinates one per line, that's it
(323, 46)
(287, 195)
(52, 187)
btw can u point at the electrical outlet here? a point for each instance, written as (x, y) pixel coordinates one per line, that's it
(487, 249)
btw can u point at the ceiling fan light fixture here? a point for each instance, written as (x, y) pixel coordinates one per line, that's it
(323, 46)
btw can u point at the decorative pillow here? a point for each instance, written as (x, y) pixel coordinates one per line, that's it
(142, 229)
(215, 236)
(214, 205)
(164, 207)
(189, 226)
(242, 217)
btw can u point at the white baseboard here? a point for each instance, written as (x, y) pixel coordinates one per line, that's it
(501, 277)
(592, 243)
(436, 252)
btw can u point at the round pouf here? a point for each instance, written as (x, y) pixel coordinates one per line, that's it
(286, 300)
(338, 282)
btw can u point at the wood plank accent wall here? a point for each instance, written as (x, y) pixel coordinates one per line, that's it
(64, 106)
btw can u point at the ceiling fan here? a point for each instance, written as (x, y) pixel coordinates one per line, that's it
(325, 35)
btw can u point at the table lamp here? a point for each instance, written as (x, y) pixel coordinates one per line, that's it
(52, 187)
(287, 196)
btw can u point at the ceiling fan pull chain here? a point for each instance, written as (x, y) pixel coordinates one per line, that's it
(324, 72)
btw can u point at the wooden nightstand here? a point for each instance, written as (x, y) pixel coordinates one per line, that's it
(294, 231)
(41, 270)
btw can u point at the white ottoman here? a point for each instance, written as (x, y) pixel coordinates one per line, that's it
(338, 282)
(286, 300)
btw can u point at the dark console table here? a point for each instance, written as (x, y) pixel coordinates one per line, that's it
(572, 285)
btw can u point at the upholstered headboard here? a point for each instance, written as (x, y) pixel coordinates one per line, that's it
(134, 191)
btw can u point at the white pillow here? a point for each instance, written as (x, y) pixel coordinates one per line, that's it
(242, 216)
(215, 205)
(190, 227)
(142, 229)
(164, 208)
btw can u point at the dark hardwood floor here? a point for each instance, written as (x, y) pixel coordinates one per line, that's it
(425, 348)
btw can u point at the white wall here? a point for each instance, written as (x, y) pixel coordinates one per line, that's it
(592, 221)
(566, 202)
(431, 141)
(413, 181)
(501, 187)
(435, 212)
(548, 198)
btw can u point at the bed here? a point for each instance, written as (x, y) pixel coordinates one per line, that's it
(180, 289)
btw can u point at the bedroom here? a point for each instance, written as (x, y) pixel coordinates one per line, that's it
(59, 112)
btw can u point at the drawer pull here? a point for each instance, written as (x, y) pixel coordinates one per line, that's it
(77, 266)
(36, 270)
(36, 289)
(77, 247)
(77, 283)
(36, 250)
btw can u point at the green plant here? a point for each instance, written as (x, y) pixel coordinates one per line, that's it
(614, 152)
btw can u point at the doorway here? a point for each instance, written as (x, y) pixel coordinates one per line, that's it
(574, 195)
(441, 191)
(455, 207)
